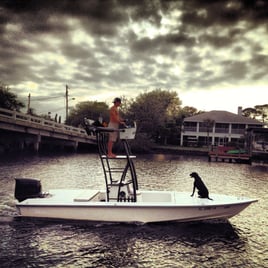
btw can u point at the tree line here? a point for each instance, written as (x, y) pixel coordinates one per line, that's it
(159, 113)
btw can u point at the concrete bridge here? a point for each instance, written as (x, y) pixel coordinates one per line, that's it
(19, 131)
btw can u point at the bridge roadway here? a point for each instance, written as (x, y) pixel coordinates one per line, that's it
(21, 131)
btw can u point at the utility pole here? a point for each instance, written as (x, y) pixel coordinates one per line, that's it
(29, 104)
(67, 101)
(66, 97)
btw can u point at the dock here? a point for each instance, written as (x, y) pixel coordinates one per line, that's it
(230, 154)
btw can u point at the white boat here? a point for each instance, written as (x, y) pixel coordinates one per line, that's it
(122, 200)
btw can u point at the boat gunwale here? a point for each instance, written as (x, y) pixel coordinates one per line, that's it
(153, 205)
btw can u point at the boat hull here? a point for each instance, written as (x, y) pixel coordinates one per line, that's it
(151, 206)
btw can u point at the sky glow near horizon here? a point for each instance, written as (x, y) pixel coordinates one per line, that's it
(213, 54)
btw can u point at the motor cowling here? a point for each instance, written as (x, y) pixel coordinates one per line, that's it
(27, 188)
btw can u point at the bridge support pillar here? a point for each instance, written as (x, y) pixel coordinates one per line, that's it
(75, 145)
(37, 143)
(21, 145)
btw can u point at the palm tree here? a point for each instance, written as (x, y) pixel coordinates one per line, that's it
(209, 123)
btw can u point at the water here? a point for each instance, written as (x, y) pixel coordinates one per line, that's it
(239, 242)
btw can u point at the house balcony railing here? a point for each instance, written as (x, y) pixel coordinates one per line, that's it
(221, 130)
(192, 129)
(217, 130)
(238, 131)
(205, 129)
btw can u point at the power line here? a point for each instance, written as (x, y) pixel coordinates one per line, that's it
(46, 98)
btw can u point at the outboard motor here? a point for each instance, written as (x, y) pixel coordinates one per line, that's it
(27, 188)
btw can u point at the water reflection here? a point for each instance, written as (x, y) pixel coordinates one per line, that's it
(116, 245)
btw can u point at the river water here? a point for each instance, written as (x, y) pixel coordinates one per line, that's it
(241, 241)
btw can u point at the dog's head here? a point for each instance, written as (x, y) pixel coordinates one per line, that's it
(194, 175)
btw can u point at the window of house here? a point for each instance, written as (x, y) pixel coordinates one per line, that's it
(205, 127)
(190, 126)
(221, 128)
(238, 128)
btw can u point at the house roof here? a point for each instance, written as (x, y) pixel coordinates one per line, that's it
(222, 117)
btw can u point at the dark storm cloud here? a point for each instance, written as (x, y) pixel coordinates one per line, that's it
(95, 44)
(207, 13)
(35, 15)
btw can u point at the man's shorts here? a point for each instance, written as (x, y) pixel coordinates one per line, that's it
(113, 135)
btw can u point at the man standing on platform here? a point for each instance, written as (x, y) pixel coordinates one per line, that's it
(115, 121)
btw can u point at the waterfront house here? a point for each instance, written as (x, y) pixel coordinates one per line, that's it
(216, 128)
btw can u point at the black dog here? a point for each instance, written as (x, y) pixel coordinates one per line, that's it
(200, 186)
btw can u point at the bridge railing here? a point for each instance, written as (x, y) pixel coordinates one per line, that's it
(35, 120)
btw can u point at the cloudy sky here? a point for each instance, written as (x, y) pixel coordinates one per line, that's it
(214, 54)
